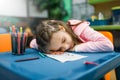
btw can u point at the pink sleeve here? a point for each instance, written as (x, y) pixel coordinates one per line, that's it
(33, 44)
(93, 41)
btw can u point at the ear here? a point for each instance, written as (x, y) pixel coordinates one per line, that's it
(61, 28)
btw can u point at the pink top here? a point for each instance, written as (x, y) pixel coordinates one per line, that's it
(93, 41)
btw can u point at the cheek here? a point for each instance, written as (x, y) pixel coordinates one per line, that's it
(69, 39)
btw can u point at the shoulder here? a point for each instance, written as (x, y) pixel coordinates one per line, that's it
(78, 26)
(74, 22)
(78, 23)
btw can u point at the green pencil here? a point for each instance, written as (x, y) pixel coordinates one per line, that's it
(42, 54)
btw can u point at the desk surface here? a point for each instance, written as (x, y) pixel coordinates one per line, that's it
(50, 69)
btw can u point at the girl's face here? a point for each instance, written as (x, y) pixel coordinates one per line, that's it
(61, 41)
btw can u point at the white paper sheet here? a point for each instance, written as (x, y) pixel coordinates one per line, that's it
(67, 56)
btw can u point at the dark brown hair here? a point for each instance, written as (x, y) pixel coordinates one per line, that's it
(45, 30)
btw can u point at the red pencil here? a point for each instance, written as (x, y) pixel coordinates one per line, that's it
(18, 42)
(88, 62)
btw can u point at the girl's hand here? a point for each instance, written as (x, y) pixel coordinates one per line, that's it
(57, 52)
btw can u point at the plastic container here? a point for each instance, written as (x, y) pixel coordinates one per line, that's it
(98, 22)
(116, 15)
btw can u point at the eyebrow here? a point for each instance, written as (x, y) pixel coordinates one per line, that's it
(63, 39)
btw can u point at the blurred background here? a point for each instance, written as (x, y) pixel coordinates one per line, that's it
(15, 11)
(22, 12)
(102, 14)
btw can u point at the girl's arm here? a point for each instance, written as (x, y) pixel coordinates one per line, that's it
(93, 41)
(33, 44)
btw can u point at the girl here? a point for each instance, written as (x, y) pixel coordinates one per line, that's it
(55, 37)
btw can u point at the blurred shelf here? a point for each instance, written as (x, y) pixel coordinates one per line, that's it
(106, 27)
(98, 1)
(104, 6)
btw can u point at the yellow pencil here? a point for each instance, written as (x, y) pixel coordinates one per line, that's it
(21, 30)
